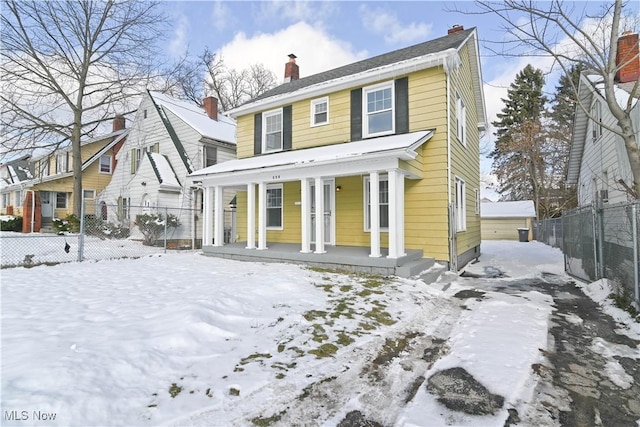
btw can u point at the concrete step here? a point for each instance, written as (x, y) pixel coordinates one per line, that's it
(434, 273)
(413, 268)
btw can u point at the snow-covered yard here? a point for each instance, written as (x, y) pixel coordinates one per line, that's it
(183, 339)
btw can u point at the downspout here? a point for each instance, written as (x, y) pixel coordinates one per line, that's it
(448, 107)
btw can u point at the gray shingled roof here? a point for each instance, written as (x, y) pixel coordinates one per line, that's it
(452, 41)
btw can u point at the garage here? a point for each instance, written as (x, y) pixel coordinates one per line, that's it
(502, 220)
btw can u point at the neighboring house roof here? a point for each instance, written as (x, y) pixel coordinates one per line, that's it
(120, 135)
(402, 145)
(590, 85)
(17, 171)
(223, 129)
(441, 51)
(165, 174)
(519, 209)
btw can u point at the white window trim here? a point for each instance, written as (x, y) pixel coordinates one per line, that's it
(461, 118)
(461, 204)
(266, 114)
(367, 196)
(93, 192)
(270, 187)
(478, 202)
(365, 114)
(324, 100)
(64, 163)
(110, 164)
(204, 155)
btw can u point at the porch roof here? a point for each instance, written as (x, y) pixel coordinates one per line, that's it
(365, 152)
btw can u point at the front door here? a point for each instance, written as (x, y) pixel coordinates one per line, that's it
(47, 206)
(328, 215)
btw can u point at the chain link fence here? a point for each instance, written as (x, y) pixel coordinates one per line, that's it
(599, 242)
(110, 232)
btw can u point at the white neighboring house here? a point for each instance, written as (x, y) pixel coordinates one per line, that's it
(598, 159)
(168, 140)
(503, 220)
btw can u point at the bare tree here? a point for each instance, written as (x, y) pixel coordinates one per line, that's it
(67, 67)
(557, 30)
(207, 75)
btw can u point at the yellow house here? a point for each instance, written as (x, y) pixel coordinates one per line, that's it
(379, 157)
(52, 179)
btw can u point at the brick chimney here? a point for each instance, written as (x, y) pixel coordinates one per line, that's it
(291, 69)
(210, 105)
(455, 29)
(627, 59)
(119, 123)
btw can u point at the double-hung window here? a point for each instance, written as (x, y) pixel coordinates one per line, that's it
(461, 205)
(105, 163)
(61, 200)
(210, 156)
(61, 163)
(378, 110)
(461, 114)
(274, 206)
(320, 111)
(383, 198)
(272, 131)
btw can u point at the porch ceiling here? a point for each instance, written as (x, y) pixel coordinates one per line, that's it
(353, 158)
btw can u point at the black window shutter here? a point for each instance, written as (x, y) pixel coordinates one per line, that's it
(286, 128)
(257, 134)
(356, 115)
(402, 105)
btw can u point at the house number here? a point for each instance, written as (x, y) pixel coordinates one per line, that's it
(276, 177)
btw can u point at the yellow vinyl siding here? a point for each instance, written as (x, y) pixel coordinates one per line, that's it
(465, 160)
(426, 199)
(503, 228)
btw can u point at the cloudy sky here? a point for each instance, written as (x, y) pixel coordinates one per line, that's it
(327, 34)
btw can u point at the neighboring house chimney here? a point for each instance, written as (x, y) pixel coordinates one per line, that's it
(210, 105)
(455, 29)
(627, 59)
(119, 123)
(291, 69)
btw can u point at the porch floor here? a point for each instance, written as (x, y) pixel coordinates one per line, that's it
(349, 258)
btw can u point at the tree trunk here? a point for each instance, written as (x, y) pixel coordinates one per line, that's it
(77, 165)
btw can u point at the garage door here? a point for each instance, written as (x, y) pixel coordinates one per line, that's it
(502, 228)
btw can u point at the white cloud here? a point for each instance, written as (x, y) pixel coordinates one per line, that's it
(179, 44)
(316, 50)
(387, 24)
(221, 16)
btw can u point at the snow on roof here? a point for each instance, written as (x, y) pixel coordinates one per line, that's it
(224, 129)
(524, 208)
(622, 96)
(164, 172)
(321, 154)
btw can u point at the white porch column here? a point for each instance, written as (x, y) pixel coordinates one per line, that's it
(262, 216)
(207, 208)
(218, 206)
(319, 198)
(396, 214)
(251, 216)
(374, 213)
(305, 213)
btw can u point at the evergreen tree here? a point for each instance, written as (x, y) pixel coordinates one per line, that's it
(517, 157)
(563, 107)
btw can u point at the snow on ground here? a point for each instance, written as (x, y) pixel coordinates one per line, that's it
(183, 339)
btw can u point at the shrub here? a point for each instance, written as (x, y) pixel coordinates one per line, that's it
(152, 226)
(70, 224)
(94, 226)
(10, 223)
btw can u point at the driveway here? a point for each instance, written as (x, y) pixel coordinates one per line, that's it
(591, 372)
